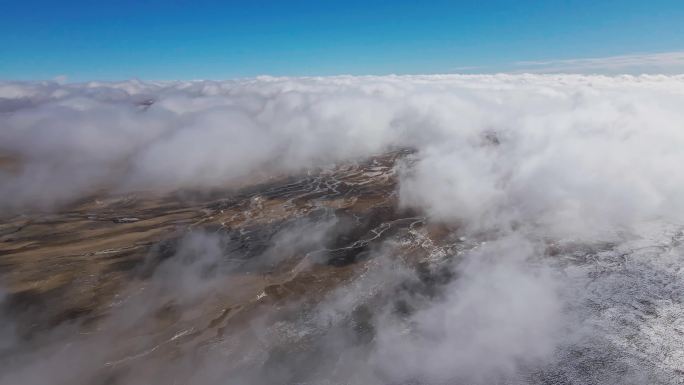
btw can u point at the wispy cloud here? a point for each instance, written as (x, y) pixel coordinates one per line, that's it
(469, 69)
(663, 62)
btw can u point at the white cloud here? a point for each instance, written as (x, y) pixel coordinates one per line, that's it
(572, 134)
(663, 62)
(526, 160)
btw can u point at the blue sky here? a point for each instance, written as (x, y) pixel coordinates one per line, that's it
(152, 39)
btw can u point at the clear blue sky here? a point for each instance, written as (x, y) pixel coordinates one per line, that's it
(152, 39)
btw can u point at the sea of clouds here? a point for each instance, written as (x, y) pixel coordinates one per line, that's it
(589, 164)
(598, 150)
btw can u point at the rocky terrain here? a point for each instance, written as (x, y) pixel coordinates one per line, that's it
(288, 281)
(289, 241)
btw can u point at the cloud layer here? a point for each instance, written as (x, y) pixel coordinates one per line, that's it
(520, 164)
(486, 143)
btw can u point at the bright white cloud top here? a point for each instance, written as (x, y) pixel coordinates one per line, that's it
(571, 149)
